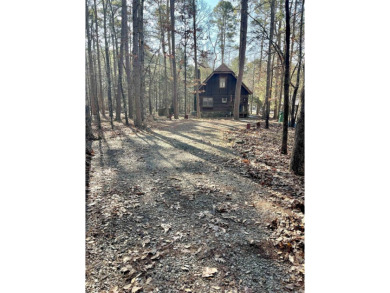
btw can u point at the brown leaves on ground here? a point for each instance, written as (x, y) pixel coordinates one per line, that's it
(262, 161)
(209, 272)
(177, 210)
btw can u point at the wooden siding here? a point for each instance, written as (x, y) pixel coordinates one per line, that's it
(213, 90)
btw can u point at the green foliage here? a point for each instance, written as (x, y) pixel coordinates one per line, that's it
(225, 21)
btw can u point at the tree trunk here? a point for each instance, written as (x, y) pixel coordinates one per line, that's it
(260, 67)
(114, 55)
(253, 85)
(119, 83)
(120, 65)
(279, 71)
(165, 94)
(299, 68)
(93, 84)
(286, 81)
(268, 88)
(142, 57)
(108, 70)
(125, 39)
(297, 164)
(185, 70)
(198, 114)
(103, 110)
(241, 54)
(175, 109)
(136, 63)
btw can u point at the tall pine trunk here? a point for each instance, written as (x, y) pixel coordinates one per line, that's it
(269, 73)
(297, 164)
(296, 86)
(103, 110)
(175, 109)
(241, 57)
(185, 70)
(198, 114)
(142, 57)
(136, 63)
(286, 80)
(163, 47)
(125, 36)
(122, 55)
(93, 90)
(108, 70)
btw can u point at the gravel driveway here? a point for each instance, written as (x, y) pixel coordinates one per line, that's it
(167, 212)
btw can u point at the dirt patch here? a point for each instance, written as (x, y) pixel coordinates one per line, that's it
(169, 203)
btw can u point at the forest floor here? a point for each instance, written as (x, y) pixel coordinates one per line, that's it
(194, 206)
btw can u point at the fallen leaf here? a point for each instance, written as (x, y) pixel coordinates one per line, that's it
(128, 286)
(209, 272)
(136, 289)
(166, 227)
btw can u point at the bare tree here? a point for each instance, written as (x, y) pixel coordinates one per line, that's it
(136, 63)
(175, 109)
(163, 47)
(268, 88)
(125, 40)
(93, 90)
(296, 86)
(297, 164)
(98, 60)
(108, 70)
(198, 114)
(241, 54)
(286, 80)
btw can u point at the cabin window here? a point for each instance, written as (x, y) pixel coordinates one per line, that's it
(222, 82)
(207, 102)
(224, 100)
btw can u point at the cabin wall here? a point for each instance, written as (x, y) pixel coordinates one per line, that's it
(212, 86)
(213, 90)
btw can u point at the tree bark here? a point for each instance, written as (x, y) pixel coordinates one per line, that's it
(175, 109)
(198, 114)
(93, 84)
(185, 69)
(163, 47)
(241, 57)
(297, 164)
(268, 88)
(103, 110)
(120, 65)
(125, 35)
(108, 70)
(142, 57)
(286, 81)
(296, 86)
(115, 54)
(136, 63)
(119, 83)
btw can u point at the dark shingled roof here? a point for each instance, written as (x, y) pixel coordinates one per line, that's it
(223, 68)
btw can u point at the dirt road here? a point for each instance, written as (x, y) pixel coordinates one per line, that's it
(167, 212)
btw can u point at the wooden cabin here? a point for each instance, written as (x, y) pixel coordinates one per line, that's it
(217, 94)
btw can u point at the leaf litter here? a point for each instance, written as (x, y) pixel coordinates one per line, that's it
(210, 207)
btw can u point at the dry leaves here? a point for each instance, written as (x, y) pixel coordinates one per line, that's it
(166, 227)
(209, 272)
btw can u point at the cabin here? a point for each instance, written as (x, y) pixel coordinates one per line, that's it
(217, 93)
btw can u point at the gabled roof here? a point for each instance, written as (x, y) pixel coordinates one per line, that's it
(224, 69)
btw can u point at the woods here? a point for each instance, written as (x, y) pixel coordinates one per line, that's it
(184, 39)
(206, 142)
